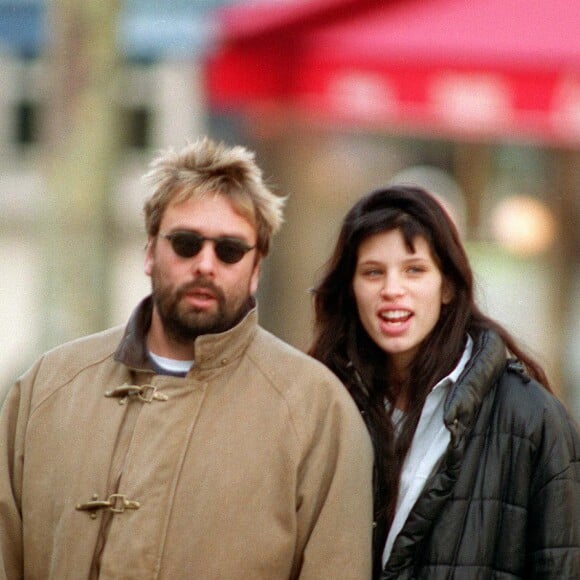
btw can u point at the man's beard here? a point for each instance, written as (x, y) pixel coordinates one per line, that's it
(184, 323)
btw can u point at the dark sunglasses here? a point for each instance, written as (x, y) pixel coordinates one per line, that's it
(189, 244)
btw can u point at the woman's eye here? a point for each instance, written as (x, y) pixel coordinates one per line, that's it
(371, 273)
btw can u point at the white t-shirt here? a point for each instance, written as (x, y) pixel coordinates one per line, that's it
(429, 444)
(171, 365)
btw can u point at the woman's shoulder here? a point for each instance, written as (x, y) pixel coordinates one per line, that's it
(517, 388)
(525, 408)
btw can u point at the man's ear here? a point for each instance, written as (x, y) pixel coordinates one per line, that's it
(149, 256)
(255, 279)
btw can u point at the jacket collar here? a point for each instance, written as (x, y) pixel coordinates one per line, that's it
(211, 350)
(480, 374)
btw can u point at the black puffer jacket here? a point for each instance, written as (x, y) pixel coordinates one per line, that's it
(505, 501)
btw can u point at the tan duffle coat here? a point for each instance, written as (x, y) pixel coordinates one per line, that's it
(256, 465)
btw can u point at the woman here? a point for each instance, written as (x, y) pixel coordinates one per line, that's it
(477, 463)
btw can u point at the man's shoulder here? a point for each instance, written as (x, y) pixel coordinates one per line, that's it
(276, 353)
(65, 361)
(295, 374)
(90, 348)
(313, 395)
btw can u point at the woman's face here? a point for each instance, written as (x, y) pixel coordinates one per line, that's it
(398, 294)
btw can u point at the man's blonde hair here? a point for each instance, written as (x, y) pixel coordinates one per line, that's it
(205, 167)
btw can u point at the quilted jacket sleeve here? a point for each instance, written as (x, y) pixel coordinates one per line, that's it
(554, 510)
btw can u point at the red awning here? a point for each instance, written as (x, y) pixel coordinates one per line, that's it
(481, 69)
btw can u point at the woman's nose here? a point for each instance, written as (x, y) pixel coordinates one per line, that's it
(392, 286)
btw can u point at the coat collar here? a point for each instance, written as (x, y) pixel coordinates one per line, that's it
(211, 350)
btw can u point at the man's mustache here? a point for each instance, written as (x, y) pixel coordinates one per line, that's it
(202, 283)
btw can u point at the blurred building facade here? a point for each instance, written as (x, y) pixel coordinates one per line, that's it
(515, 197)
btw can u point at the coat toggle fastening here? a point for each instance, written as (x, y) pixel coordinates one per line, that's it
(145, 393)
(116, 503)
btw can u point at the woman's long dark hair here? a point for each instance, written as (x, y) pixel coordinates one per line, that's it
(343, 345)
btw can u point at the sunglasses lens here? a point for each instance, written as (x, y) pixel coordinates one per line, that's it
(186, 245)
(230, 251)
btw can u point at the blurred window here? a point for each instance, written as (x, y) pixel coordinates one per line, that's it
(27, 125)
(136, 126)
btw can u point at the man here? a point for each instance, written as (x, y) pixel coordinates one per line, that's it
(192, 443)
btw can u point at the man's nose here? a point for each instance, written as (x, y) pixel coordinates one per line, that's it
(206, 260)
